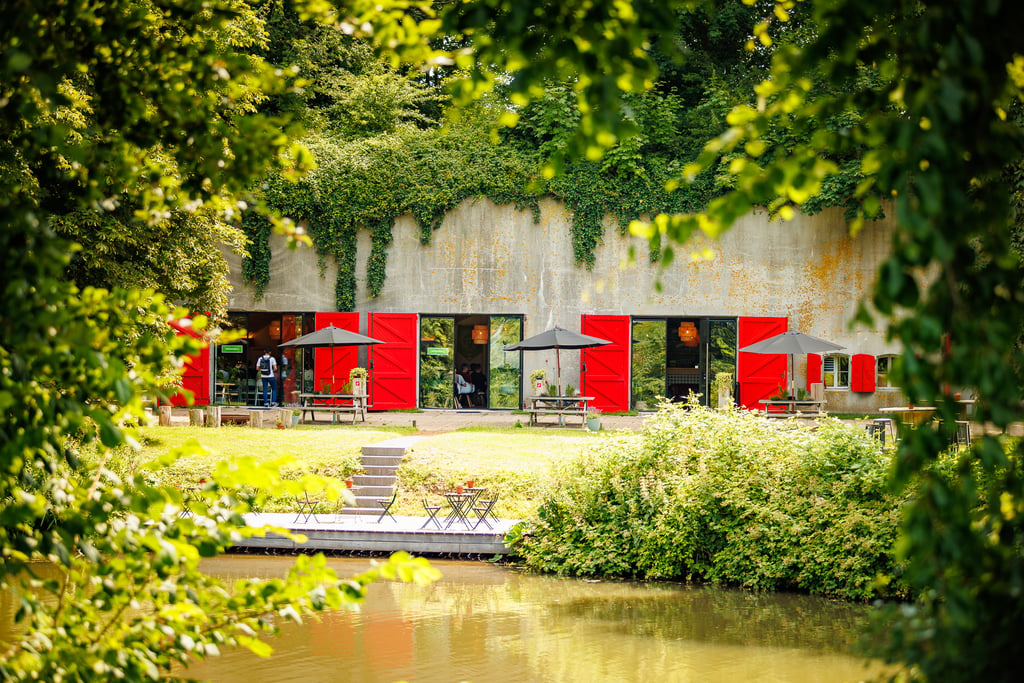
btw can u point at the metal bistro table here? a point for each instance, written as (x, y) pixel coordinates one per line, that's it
(349, 403)
(461, 504)
(561, 406)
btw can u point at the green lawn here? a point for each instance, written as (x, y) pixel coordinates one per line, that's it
(516, 463)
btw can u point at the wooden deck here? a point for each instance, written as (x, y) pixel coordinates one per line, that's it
(362, 533)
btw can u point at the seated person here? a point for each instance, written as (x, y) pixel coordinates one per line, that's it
(463, 389)
(479, 382)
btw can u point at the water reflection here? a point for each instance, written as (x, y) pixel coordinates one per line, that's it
(487, 623)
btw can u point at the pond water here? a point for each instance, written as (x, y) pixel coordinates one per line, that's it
(488, 623)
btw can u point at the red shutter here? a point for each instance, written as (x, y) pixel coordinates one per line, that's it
(813, 370)
(604, 371)
(332, 365)
(393, 363)
(196, 375)
(760, 375)
(862, 372)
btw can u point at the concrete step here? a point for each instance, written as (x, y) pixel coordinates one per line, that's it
(360, 511)
(374, 471)
(380, 461)
(370, 501)
(384, 451)
(361, 480)
(373, 491)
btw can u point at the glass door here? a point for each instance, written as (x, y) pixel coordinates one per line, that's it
(649, 359)
(437, 361)
(721, 354)
(503, 385)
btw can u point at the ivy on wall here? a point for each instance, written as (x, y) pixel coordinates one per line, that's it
(256, 262)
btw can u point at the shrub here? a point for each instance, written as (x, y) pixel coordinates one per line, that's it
(726, 497)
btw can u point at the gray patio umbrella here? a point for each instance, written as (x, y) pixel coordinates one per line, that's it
(557, 338)
(792, 343)
(329, 337)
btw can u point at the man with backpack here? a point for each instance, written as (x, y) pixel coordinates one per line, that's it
(266, 366)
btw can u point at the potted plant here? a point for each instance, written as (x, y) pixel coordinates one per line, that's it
(357, 377)
(296, 414)
(538, 378)
(594, 420)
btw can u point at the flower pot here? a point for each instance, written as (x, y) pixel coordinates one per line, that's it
(358, 386)
(295, 420)
(348, 483)
(594, 424)
(458, 489)
(469, 483)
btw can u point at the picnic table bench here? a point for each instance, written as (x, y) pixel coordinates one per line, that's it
(562, 406)
(333, 403)
(792, 407)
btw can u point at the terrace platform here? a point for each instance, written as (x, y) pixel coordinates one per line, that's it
(362, 533)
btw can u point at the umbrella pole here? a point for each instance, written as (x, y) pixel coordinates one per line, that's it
(558, 366)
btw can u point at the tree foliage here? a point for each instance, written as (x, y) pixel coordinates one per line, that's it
(130, 125)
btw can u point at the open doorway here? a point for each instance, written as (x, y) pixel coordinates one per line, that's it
(674, 357)
(471, 346)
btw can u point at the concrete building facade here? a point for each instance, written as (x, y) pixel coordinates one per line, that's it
(492, 275)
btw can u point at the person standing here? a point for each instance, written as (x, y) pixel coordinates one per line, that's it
(267, 366)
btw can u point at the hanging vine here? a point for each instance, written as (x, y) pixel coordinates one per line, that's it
(256, 262)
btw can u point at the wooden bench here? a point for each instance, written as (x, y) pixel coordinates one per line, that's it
(312, 404)
(792, 407)
(574, 406)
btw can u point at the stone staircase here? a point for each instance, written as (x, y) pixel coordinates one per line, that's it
(380, 467)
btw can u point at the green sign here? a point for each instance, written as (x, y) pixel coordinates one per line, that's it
(437, 351)
(232, 348)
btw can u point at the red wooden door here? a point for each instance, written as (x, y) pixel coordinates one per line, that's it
(605, 369)
(196, 375)
(760, 375)
(393, 363)
(332, 365)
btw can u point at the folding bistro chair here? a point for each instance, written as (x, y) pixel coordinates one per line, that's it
(963, 433)
(483, 510)
(307, 508)
(386, 504)
(432, 510)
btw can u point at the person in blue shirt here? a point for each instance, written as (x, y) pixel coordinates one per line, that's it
(266, 366)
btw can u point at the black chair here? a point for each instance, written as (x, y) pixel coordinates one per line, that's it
(876, 431)
(386, 504)
(307, 508)
(432, 510)
(485, 508)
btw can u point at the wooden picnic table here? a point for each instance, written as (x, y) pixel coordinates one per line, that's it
(333, 403)
(562, 406)
(910, 415)
(791, 406)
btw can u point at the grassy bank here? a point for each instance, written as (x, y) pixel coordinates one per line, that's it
(517, 463)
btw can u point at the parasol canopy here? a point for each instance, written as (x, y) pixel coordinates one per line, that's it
(792, 343)
(557, 338)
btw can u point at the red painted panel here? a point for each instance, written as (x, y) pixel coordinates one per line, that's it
(862, 372)
(196, 375)
(813, 370)
(605, 369)
(393, 363)
(760, 375)
(331, 366)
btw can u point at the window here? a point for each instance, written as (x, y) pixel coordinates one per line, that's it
(885, 365)
(835, 371)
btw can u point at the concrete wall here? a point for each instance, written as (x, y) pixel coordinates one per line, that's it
(495, 260)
